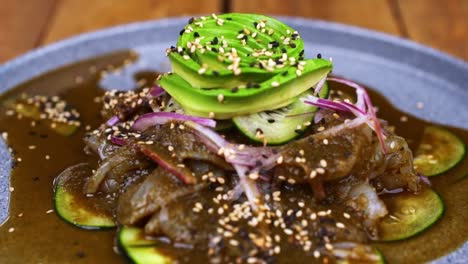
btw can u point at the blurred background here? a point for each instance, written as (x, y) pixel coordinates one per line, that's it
(28, 24)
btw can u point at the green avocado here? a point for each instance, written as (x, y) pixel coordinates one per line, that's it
(238, 64)
(202, 102)
(222, 43)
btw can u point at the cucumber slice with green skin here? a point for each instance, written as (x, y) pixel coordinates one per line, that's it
(71, 209)
(410, 214)
(280, 125)
(138, 249)
(439, 151)
(33, 112)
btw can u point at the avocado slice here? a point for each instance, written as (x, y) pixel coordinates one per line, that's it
(219, 44)
(276, 92)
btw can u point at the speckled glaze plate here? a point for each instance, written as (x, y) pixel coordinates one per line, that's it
(405, 72)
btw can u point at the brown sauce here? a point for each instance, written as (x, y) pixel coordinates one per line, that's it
(35, 234)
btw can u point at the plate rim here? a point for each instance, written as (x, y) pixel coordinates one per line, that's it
(80, 39)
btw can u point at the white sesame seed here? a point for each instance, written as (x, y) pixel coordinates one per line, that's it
(11, 230)
(254, 175)
(340, 225)
(279, 160)
(201, 70)
(220, 98)
(323, 163)
(313, 174)
(313, 216)
(320, 170)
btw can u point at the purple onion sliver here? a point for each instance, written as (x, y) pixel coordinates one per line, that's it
(157, 118)
(112, 121)
(424, 179)
(118, 141)
(157, 91)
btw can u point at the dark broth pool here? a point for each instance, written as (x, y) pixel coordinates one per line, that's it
(35, 234)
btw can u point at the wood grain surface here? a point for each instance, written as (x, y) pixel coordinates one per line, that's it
(28, 24)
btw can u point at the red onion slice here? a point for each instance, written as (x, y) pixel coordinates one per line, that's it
(157, 91)
(157, 118)
(112, 121)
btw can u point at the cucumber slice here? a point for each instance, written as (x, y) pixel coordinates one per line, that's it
(280, 125)
(138, 249)
(71, 209)
(33, 112)
(410, 214)
(439, 151)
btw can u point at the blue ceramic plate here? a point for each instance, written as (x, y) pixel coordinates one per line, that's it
(405, 72)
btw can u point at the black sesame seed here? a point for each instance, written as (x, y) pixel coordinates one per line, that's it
(215, 41)
(215, 73)
(274, 151)
(284, 73)
(196, 34)
(301, 53)
(258, 163)
(264, 156)
(249, 84)
(274, 44)
(240, 31)
(235, 89)
(271, 121)
(301, 58)
(255, 24)
(256, 85)
(228, 18)
(181, 32)
(319, 56)
(284, 50)
(191, 20)
(298, 131)
(214, 50)
(252, 64)
(292, 45)
(245, 37)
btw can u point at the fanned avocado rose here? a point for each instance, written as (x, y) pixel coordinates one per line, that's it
(237, 64)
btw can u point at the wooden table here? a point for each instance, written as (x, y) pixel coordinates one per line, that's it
(28, 24)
